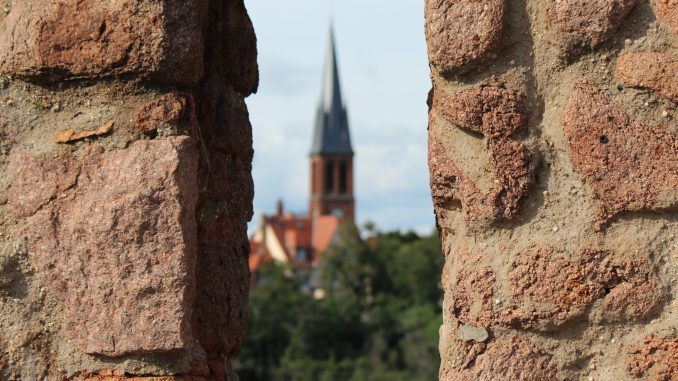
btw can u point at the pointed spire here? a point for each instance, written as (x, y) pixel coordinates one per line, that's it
(331, 87)
(331, 135)
(331, 13)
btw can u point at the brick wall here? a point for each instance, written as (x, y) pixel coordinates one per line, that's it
(554, 168)
(125, 152)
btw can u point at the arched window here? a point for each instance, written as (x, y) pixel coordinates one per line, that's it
(314, 178)
(329, 176)
(343, 168)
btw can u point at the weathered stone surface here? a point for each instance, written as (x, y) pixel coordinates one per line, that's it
(226, 203)
(150, 378)
(471, 333)
(222, 267)
(159, 40)
(119, 251)
(588, 22)
(629, 167)
(236, 46)
(448, 184)
(492, 111)
(515, 359)
(512, 179)
(498, 114)
(470, 286)
(557, 289)
(667, 13)
(70, 136)
(232, 130)
(513, 172)
(203, 370)
(638, 298)
(465, 354)
(7, 139)
(10, 274)
(556, 210)
(462, 33)
(545, 291)
(653, 70)
(223, 272)
(102, 232)
(655, 359)
(37, 181)
(173, 111)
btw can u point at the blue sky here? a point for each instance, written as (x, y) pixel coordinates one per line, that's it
(384, 77)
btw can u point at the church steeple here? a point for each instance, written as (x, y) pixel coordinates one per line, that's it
(331, 134)
(331, 150)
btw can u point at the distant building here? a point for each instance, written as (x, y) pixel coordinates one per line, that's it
(301, 239)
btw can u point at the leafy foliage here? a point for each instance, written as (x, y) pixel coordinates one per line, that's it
(379, 318)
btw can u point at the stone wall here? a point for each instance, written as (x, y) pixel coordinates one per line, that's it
(125, 152)
(553, 157)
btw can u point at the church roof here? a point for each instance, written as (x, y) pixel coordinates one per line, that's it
(331, 134)
(280, 236)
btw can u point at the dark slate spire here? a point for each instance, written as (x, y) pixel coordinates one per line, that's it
(331, 134)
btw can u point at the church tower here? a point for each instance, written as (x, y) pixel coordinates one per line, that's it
(301, 239)
(331, 151)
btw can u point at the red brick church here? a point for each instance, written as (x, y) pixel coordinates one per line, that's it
(301, 239)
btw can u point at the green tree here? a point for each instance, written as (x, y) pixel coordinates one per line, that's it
(378, 321)
(345, 268)
(275, 306)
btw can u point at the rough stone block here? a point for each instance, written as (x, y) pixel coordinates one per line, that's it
(462, 33)
(238, 46)
(545, 291)
(667, 13)
(638, 298)
(223, 269)
(629, 167)
(556, 210)
(449, 186)
(472, 291)
(223, 273)
(492, 111)
(159, 40)
(588, 22)
(653, 70)
(37, 181)
(173, 113)
(557, 289)
(497, 114)
(513, 177)
(514, 359)
(119, 251)
(654, 359)
(114, 376)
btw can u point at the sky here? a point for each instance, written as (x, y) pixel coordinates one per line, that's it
(385, 80)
